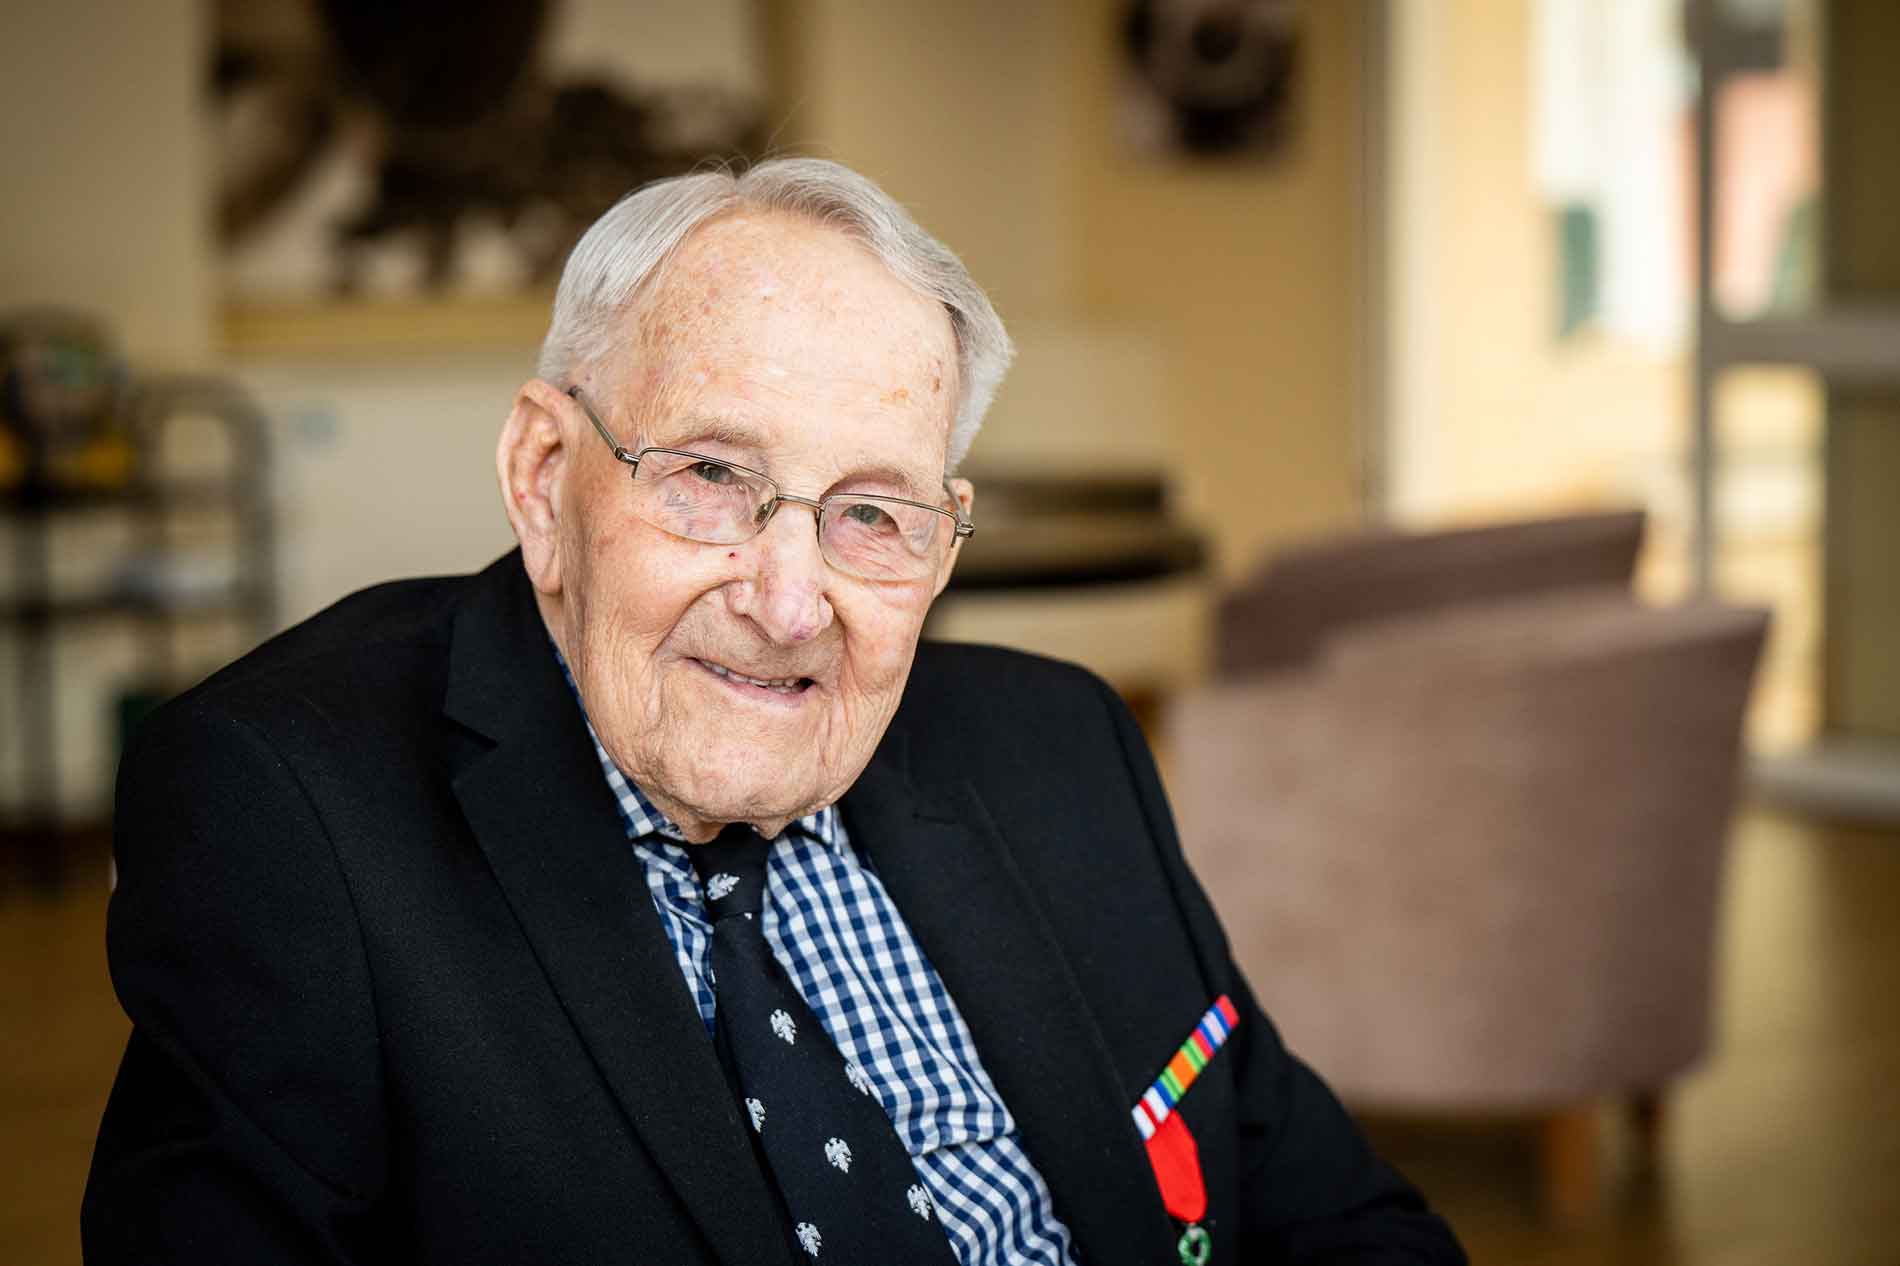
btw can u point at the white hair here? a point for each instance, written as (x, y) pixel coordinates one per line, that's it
(629, 245)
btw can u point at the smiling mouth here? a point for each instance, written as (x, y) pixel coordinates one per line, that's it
(777, 685)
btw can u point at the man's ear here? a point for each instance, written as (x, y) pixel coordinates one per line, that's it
(530, 461)
(965, 493)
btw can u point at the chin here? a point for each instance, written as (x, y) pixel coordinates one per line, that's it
(742, 783)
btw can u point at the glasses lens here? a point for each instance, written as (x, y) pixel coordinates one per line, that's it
(698, 498)
(882, 538)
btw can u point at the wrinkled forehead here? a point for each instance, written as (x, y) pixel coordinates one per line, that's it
(791, 296)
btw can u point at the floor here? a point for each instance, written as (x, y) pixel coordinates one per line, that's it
(59, 1046)
(1783, 1151)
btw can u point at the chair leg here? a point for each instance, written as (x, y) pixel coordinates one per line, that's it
(1648, 1118)
(1568, 1162)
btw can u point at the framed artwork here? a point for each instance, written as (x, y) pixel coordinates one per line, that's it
(407, 172)
(1208, 79)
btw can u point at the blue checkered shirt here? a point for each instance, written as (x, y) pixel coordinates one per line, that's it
(850, 956)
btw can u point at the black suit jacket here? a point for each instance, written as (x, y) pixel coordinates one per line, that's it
(399, 993)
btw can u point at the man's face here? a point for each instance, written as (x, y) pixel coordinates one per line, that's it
(785, 347)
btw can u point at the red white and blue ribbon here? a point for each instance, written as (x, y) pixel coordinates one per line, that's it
(1157, 1103)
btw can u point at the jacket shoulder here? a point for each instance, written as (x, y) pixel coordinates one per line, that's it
(380, 648)
(990, 684)
(1006, 716)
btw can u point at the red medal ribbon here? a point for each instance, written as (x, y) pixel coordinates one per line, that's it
(1177, 1166)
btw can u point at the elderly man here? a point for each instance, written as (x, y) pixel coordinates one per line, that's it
(653, 895)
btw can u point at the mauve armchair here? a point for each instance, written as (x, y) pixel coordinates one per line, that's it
(1470, 856)
(1300, 596)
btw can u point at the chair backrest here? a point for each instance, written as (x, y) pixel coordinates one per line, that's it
(1305, 594)
(1473, 859)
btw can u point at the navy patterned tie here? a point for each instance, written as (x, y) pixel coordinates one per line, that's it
(850, 1190)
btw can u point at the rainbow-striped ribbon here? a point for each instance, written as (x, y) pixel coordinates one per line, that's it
(1159, 1099)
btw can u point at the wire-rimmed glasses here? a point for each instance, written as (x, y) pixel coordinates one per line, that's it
(717, 502)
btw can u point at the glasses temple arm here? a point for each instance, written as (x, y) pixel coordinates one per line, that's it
(623, 454)
(965, 528)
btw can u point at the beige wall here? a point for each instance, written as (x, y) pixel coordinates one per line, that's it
(1863, 539)
(996, 122)
(1251, 278)
(1492, 415)
(1863, 263)
(102, 212)
(104, 209)
(962, 111)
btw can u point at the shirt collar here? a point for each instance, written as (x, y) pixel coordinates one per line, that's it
(638, 813)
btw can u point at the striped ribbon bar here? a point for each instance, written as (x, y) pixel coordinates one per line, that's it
(1159, 1099)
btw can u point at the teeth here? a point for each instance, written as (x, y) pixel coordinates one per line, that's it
(781, 684)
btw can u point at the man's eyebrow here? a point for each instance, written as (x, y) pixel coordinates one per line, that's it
(883, 476)
(718, 429)
(737, 433)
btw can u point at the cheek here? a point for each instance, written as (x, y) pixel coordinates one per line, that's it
(640, 587)
(881, 638)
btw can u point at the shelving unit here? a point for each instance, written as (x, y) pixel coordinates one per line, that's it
(37, 611)
(1849, 345)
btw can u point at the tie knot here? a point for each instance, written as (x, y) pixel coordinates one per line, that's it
(732, 871)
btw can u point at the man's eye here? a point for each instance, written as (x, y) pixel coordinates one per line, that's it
(713, 472)
(865, 514)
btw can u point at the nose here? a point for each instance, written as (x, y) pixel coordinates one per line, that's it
(785, 594)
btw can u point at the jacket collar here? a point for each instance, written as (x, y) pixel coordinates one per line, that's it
(532, 791)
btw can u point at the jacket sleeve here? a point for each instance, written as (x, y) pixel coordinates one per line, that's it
(1312, 1191)
(245, 1124)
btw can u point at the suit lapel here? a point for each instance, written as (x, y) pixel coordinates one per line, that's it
(547, 823)
(951, 873)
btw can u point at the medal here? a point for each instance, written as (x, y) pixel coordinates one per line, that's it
(1171, 1148)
